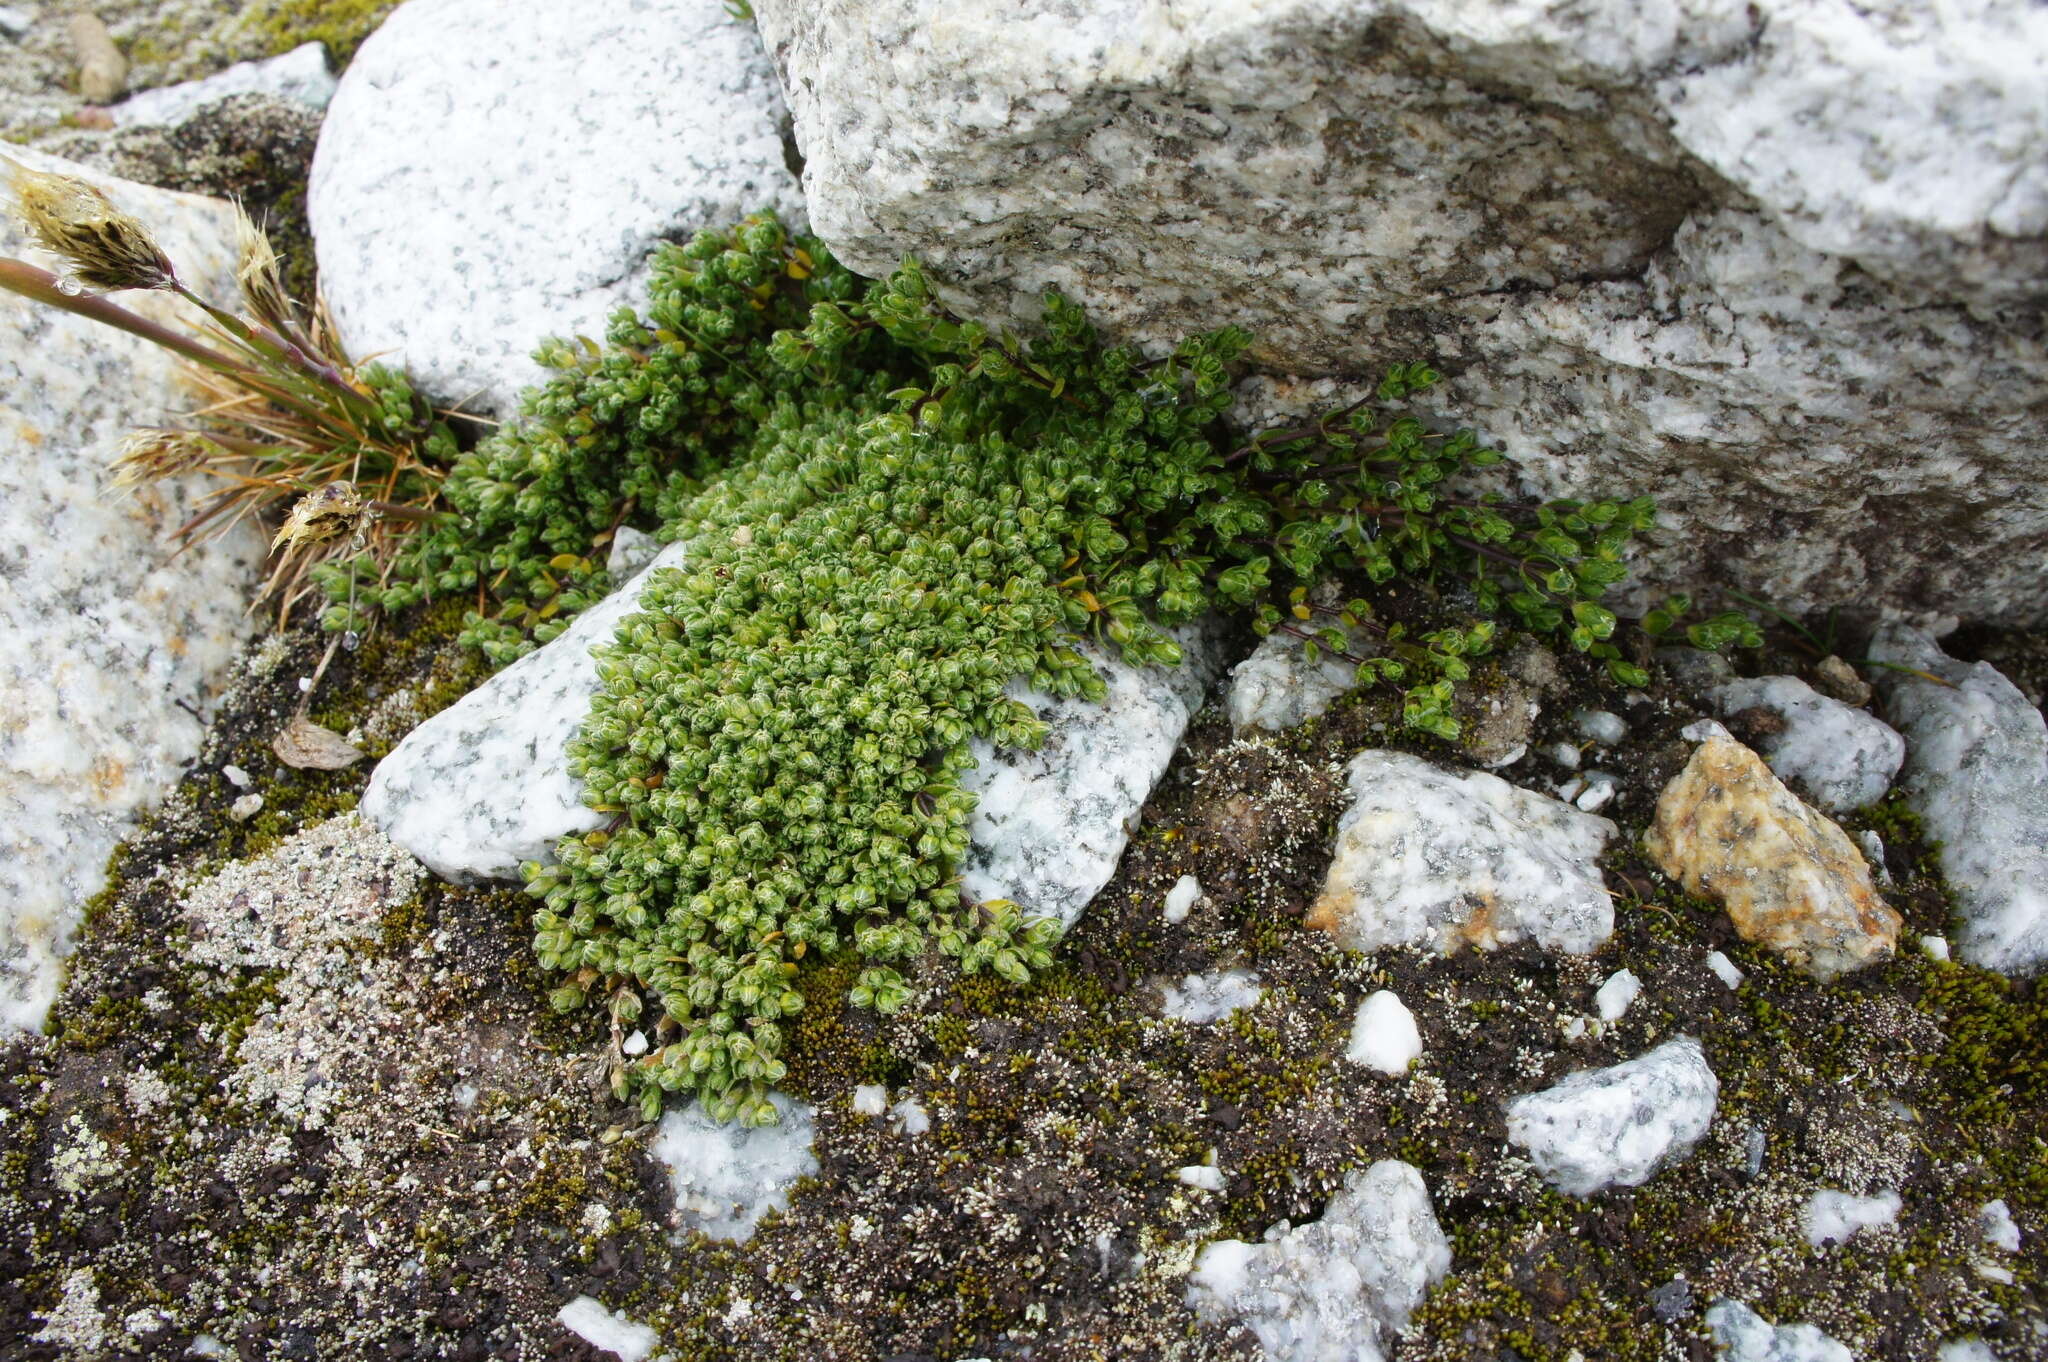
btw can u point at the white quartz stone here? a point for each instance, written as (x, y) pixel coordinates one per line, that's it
(870, 1099)
(1845, 757)
(15, 21)
(485, 784)
(1338, 1290)
(1965, 1350)
(1427, 856)
(1687, 278)
(909, 1117)
(1181, 898)
(1724, 969)
(587, 1318)
(727, 1176)
(1599, 791)
(1384, 1035)
(300, 75)
(1832, 1217)
(1052, 822)
(1994, 1221)
(1278, 687)
(1616, 1127)
(1602, 727)
(1977, 774)
(488, 176)
(113, 635)
(1935, 947)
(1742, 1335)
(1614, 996)
(1203, 998)
(1205, 1176)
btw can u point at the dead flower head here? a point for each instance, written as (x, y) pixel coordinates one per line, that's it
(325, 513)
(103, 246)
(153, 453)
(256, 271)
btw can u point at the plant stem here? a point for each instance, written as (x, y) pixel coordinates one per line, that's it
(18, 276)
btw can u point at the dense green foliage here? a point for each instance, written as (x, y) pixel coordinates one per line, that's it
(891, 515)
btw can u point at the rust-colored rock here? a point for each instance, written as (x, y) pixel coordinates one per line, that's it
(1791, 880)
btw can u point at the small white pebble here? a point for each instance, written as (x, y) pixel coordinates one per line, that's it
(1965, 1350)
(1181, 898)
(1514, 754)
(1602, 727)
(305, 685)
(1574, 1028)
(1203, 1176)
(1936, 947)
(1565, 755)
(635, 1044)
(1832, 1217)
(1702, 729)
(245, 808)
(1571, 788)
(1994, 1220)
(1384, 1035)
(1725, 968)
(1616, 994)
(1873, 851)
(910, 1117)
(870, 1099)
(237, 777)
(1600, 788)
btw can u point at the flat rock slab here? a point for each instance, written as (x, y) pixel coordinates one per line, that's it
(1770, 263)
(300, 75)
(485, 785)
(489, 177)
(1442, 859)
(1615, 1127)
(1342, 1287)
(115, 640)
(1977, 774)
(1792, 881)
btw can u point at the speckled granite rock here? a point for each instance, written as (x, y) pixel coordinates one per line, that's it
(1432, 857)
(1742, 1335)
(485, 784)
(1052, 822)
(300, 75)
(1615, 1127)
(1791, 880)
(1342, 1287)
(1977, 774)
(1845, 757)
(1769, 262)
(487, 178)
(111, 633)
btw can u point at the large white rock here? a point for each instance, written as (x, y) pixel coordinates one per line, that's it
(111, 632)
(490, 176)
(1772, 262)
(485, 784)
(1432, 857)
(300, 75)
(1338, 1290)
(1617, 1126)
(1843, 755)
(1977, 774)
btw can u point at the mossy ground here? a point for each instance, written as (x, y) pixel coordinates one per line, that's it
(1041, 1212)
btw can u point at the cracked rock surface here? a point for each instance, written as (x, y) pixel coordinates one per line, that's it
(1775, 263)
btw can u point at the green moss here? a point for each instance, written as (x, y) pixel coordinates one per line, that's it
(282, 25)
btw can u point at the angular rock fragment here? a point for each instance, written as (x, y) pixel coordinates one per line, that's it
(1977, 774)
(1616, 1127)
(1742, 1335)
(485, 784)
(1429, 857)
(115, 637)
(1727, 829)
(1844, 756)
(1384, 1035)
(566, 142)
(300, 75)
(727, 1176)
(1342, 1287)
(1278, 687)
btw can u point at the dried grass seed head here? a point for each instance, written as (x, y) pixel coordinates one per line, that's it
(257, 273)
(103, 247)
(325, 513)
(154, 452)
